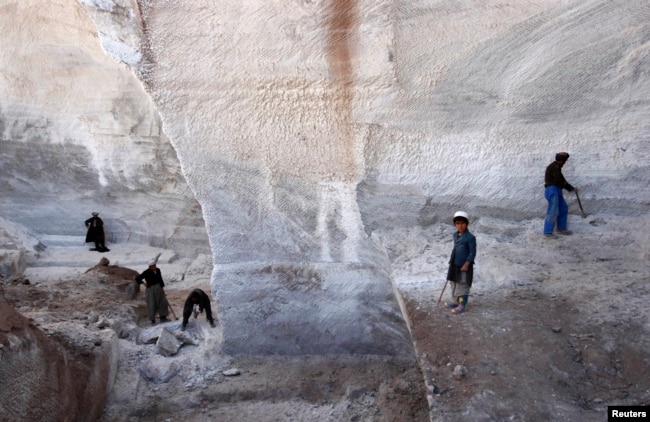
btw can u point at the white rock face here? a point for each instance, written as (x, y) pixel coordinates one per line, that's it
(301, 127)
(79, 134)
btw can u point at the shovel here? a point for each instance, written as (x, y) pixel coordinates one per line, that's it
(580, 204)
(173, 313)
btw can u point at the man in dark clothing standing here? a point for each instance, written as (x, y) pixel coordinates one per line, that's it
(95, 233)
(197, 301)
(558, 210)
(155, 294)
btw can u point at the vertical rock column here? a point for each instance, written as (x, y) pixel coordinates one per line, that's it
(259, 99)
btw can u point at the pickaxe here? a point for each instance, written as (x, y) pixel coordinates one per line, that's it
(580, 204)
(172, 311)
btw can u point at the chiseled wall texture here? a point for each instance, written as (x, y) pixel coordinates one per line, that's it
(78, 133)
(301, 126)
(294, 119)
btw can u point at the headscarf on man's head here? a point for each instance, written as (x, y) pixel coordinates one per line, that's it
(561, 156)
(154, 261)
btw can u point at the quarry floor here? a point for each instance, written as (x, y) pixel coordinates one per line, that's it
(555, 330)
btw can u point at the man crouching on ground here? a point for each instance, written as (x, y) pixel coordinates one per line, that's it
(197, 301)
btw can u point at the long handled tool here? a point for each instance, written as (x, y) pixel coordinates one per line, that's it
(172, 310)
(441, 293)
(580, 204)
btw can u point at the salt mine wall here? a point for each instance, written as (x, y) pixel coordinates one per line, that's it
(79, 134)
(297, 128)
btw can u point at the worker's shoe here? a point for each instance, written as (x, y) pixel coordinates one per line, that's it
(565, 232)
(550, 236)
(183, 327)
(212, 324)
(451, 305)
(458, 309)
(462, 303)
(163, 319)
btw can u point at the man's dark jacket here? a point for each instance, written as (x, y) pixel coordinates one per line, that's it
(151, 277)
(554, 177)
(95, 232)
(204, 303)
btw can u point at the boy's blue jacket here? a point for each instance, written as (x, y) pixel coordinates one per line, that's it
(464, 250)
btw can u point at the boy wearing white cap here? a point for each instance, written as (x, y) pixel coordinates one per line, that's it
(461, 263)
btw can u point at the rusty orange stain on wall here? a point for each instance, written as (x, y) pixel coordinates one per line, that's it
(341, 28)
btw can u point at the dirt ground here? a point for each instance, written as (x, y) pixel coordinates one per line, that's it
(528, 357)
(192, 384)
(560, 335)
(556, 329)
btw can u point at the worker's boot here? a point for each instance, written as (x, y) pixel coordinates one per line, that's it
(462, 303)
(452, 305)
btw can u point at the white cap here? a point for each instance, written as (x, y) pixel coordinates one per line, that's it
(461, 214)
(154, 261)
